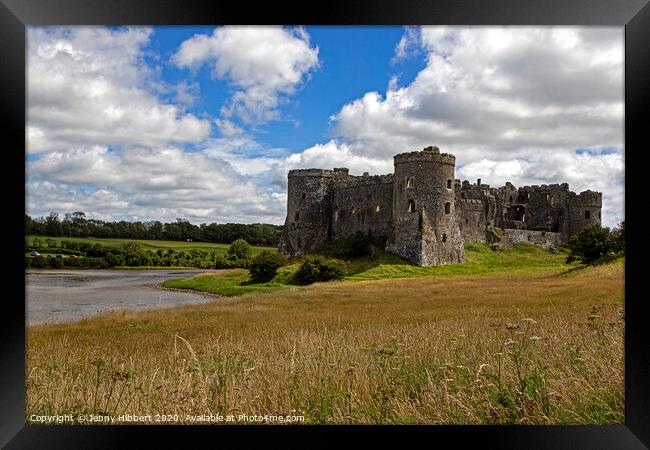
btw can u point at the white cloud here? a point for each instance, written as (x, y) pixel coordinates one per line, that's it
(187, 93)
(87, 86)
(262, 63)
(509, 102)
(407, 45)
(150, 183)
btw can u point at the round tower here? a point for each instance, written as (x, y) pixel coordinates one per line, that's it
(425, 226)
(584, 209)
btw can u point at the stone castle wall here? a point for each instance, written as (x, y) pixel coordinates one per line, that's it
(543, 239)
(362, 204)
(425, 214)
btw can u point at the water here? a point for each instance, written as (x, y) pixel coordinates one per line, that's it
(67, 295)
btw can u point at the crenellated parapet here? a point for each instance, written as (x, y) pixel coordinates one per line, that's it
(425, 213)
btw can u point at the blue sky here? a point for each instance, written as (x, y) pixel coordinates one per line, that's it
(205, 122)
(352, 61)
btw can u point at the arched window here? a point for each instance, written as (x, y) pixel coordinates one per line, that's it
(447, 208)
(409, 182)
(448, 183)
(511, 199)
(411, 206)
(587, 215)
(444, 237)
(377, 208)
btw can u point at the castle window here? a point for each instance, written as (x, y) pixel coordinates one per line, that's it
(599, 214)
(587, 215)
(336, 215)
(377, 208)
(297, 215)
(411, 206)
(546, 196)
(447, 208)
(511, 199)
(409, 182)
(304, 195)
(444, 237)
(448, 183)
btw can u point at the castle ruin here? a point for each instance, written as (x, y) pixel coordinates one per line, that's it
(425, 214)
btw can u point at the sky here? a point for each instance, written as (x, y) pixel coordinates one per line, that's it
(204, 123)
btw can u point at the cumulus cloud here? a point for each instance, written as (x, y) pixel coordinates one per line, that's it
(148, 183)
(262, 63)
(526, 105)
(86, 86)
(510, 102)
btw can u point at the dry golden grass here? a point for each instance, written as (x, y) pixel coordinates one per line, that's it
(505, 348)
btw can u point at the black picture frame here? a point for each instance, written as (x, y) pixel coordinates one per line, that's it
(16, 15)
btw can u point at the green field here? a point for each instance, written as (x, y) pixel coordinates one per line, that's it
(180, 246)
(481, 260)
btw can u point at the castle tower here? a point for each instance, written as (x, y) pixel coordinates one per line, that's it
(308, 221)
(584, 209)
(425, 226)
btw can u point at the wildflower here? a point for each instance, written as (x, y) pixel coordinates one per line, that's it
(535, 338)
(529, 320)
(511, 326)
(510, 342)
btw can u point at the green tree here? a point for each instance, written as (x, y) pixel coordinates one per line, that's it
(240, 249)
(592, 245)
(618, 239)
(264, 266)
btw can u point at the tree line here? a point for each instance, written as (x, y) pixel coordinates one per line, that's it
(74, 254)
(77, 225)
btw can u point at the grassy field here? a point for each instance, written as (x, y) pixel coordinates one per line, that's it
(180, 246)
(523, 258)
(532, 342)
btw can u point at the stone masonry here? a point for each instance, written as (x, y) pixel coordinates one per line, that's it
(425, 214)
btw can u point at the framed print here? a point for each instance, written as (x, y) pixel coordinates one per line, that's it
(383, 218)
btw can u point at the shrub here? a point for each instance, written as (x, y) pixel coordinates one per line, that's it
(618, 239)
(591, 245)
(265, 266)
(39, 262)
(354, 246)
(319, 268)
(240, 249)
(56, 263)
